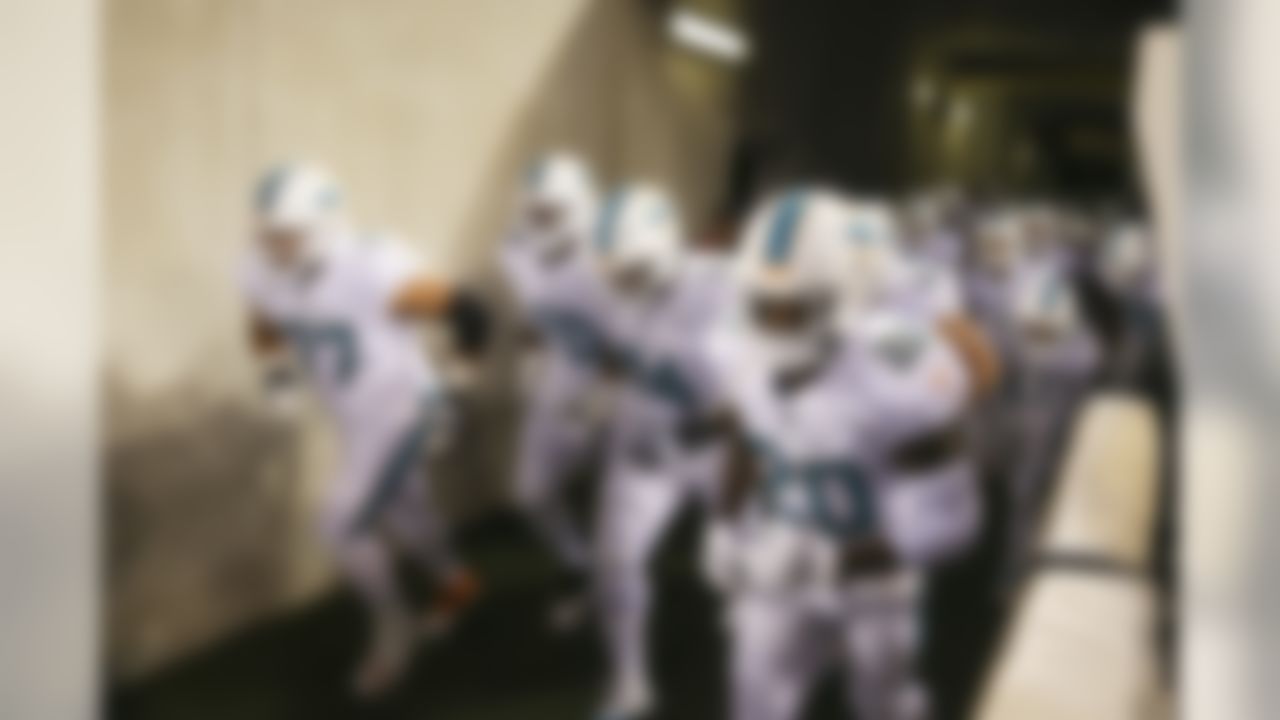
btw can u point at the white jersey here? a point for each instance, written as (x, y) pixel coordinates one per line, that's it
(927, 288)
(1051, 333)
(669, 378)
(944, 247)
(338, 319)
(563, 301)
(825, 449)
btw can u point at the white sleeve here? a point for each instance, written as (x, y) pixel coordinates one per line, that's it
(944, 296)
(920, 381)
(932, 516)
(393, 264)
(721, 356)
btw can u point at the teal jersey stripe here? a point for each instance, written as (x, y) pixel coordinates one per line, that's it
(405, 461)
(782, 233)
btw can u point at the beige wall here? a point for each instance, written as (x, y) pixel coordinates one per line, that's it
(48, 310)
(427, 110)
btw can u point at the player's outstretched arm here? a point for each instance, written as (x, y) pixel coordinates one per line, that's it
(973, 346)
(428, 298)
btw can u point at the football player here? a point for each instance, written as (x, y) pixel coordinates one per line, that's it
(1025, 291)
(546, 261)
(664, 299)
(886, 271)
(344, 308)
(847, 478)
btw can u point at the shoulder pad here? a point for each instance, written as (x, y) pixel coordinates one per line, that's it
(899, 340)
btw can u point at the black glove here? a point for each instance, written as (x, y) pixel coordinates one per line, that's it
(469, 320)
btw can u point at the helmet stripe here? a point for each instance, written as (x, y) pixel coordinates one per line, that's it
(607, 228)
(268, 189)
(782, 234)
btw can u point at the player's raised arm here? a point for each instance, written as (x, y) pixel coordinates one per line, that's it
(424, 297)
(974, 347)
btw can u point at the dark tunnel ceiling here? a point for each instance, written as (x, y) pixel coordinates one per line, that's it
(826, 96)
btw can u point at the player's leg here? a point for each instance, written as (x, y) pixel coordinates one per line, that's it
(547, 453)
(381, 492)
(419, 529)
(883, 627)
(636, 508)
(364, 560)
(1044, 426)
(778, 649)
(550, 449)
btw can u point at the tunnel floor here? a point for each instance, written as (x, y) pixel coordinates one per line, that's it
(504, 663)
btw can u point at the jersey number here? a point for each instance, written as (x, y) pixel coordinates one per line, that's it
(834, 497)
(328, 348)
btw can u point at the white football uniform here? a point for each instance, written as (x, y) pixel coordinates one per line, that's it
(925, 287)
(651, 474)
(561, 301)
(1057, 356)
(370, 369)
(826, 479)
(944, 247)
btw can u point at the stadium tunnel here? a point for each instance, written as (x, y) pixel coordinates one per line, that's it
(1005, 98)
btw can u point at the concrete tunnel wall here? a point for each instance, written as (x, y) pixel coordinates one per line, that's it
(427, 111)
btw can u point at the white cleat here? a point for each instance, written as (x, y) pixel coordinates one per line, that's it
(630, 700)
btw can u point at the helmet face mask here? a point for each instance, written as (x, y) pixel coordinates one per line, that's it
(556, 205)
(790, 317)
(544, 217)
(284, 246)
(639, 243)
(792, 331)
(546, 223)
(791, 273)
(634, 279)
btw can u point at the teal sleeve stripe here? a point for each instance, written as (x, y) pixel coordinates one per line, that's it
(782, 233)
